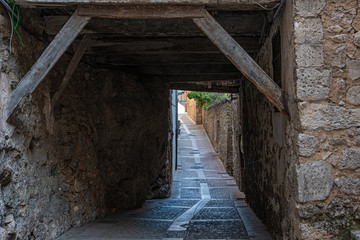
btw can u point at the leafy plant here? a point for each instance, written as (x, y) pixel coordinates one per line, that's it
(205, 99)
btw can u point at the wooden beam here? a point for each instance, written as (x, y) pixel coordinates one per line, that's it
(213, 4)
(163, 46)
(204, 88)
(213, 77)
(251, 26)
(141, 12)
(238, 56)
(47, 60)
(186, 69)
(71, 69)
(156, 59)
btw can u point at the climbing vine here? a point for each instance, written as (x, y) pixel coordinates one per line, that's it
(205, 99)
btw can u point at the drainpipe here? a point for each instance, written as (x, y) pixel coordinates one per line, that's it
(177, 128)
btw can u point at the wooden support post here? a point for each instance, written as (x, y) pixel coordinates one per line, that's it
(47, 60)
(71, 69)
(237, 55)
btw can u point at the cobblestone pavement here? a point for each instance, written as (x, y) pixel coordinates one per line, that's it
(205, 203)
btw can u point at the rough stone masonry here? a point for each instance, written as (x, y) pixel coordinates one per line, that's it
(302, 177)
(89, 157)
(326, 35)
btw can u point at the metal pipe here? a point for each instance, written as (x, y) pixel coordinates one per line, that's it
(278, 10)
(8, 8)
(6, 5)
(177, 128)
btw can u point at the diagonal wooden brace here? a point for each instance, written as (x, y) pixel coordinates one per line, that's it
(242, 61)
(47, 60)
(71, 69)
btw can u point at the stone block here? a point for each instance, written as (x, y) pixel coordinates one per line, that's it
(2, 234)
(309, 55)
(309, 8)
(5, 175)
(339, 14)
(357, 38)
(350, 159)
(348, 185)
(309, 211)
(335, 29)
(354, 69)
(353, 95)
(307, 145)
(309, 31)
(312, 230)
(356, 22)
(315, 116)
(334, 159)
(357, 140)
(313, 84)
(335, 209)
(10, 224)
(314, 181)
(339, 38)
(337, 61)
(338, 142)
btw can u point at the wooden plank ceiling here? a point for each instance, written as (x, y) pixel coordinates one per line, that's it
(174, 50)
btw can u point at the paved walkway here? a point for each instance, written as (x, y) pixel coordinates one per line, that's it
(205, 203)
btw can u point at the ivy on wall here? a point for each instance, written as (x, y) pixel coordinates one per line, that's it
(205, 99)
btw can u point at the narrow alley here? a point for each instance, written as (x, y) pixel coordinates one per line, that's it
(205, 202)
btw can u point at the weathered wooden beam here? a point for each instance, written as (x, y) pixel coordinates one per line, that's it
(71, 69)
(186, 69)
(203, 88)
(238, 56)
(47, 60)
(213, 4)
(213, 77)
(141, 12)
(163, 46)
(156, 59)
(251, 26)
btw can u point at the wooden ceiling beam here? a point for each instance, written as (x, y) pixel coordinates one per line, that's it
(156, 59)
(203, 88)
(212, 4)
(141, 11)
(247, 24)
(209, 77)
(163, 46)
(188, 69)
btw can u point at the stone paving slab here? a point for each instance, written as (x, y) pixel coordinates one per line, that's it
(205, 203)
(216, 230)
(217, 213)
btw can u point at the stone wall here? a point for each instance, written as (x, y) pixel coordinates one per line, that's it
(132, 138)
(237, 141)
(195, 112)
(302, 176)
(191, 109)
(327, 38)
(84, 160)
(218, 126)
(267, 140)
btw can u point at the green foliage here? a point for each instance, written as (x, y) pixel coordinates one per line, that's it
(205, 99)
